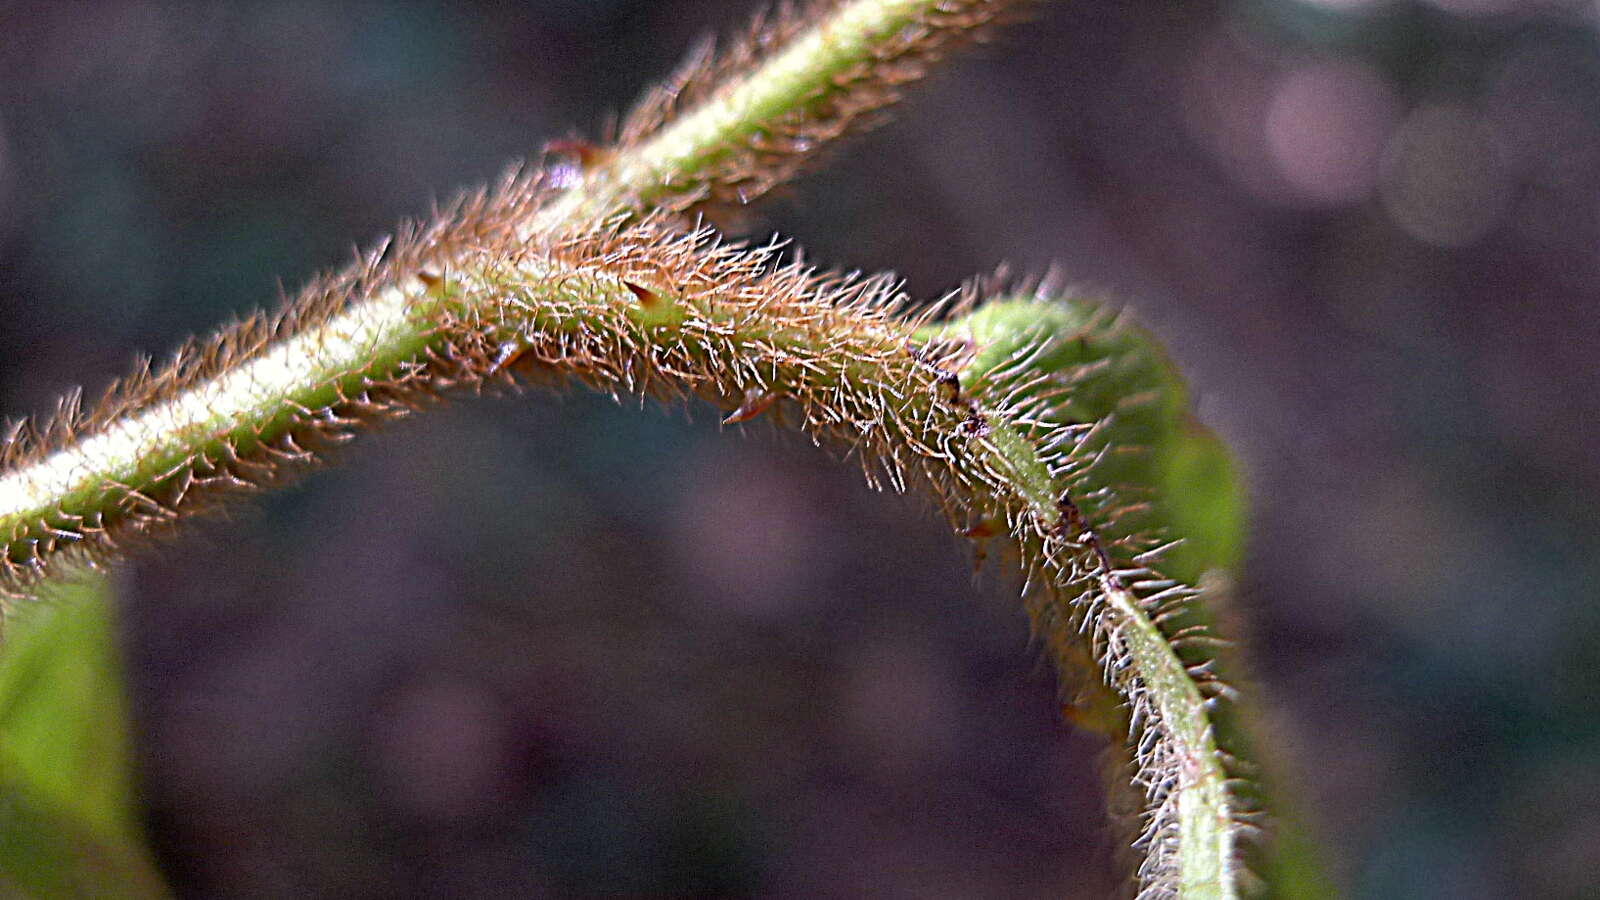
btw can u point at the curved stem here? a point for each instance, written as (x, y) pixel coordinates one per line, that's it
(859, 379)
(1177, 758)
(236, 412)
(529, 279)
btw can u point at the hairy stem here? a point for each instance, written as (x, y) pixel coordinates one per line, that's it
(646, 311)
(749, 133)
(365, 344)
(1180, 766)
(582, 279)
(637, 313)
(144, 464)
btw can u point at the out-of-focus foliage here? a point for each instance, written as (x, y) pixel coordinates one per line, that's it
(68, 824)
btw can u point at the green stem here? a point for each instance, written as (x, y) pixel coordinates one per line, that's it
(526, 278)
(65, 500)
(714, 345)
(825, 79)
(144, 463)
(647, 312)
(1183, 768)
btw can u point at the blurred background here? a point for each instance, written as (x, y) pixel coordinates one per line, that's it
(545, 646)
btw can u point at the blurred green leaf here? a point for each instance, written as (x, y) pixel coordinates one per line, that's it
(1119, 375)
(68, 823)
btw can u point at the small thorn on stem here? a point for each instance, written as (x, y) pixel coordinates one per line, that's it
(647, 298)
(756, 402)
(952, 382)
(975, 425)
(567, 160)
(979, 531)
(580, 151)
(507, 355)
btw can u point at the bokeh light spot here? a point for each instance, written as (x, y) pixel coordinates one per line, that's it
(1326, 125)
(1441, 179)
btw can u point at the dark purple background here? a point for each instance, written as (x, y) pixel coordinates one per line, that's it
(531, 646)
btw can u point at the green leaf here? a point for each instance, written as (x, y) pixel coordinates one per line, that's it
(1157, 476)
(1118, 374)
(68, 822)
